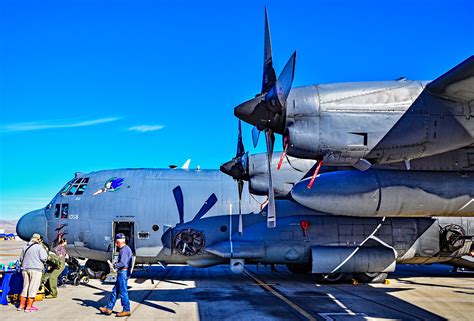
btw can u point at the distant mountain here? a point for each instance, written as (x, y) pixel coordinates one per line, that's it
(8, 225)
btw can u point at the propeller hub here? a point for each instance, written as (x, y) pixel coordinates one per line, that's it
(236, 169)
(262, 114)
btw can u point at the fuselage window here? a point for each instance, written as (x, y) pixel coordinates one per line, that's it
(61, 211)
(57, 211)
(64, 211)
(76, 187)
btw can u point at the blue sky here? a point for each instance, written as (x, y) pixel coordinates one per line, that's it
(89, 85)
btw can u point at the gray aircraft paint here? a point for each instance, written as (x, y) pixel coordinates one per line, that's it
(145, 198)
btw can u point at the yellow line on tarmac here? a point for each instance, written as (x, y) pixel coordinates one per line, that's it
(280, 296)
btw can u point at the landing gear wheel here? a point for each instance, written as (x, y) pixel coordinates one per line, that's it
(95, 269)
(299, 268)
(375, 277)
(330, 278)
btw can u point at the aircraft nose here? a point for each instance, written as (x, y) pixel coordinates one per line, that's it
(30, 223)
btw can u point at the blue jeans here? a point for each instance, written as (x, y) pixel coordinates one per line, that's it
(120, 288)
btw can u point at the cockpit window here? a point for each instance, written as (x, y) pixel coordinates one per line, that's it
(65, 188)
(75, 187)
(61, 211)
(57, 211)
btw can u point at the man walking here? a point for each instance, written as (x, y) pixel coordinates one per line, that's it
(32, 261)
(123, 267)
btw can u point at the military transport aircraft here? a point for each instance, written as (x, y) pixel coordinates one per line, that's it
(351, 222)
(409, 145)
(192, 217)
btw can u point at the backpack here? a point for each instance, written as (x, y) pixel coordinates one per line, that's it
(53, 261)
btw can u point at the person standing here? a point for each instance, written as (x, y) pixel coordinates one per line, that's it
(123, 267)
(55, 266)
(60, 251)
(32, 259)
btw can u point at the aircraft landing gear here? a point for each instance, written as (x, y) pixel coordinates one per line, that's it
(299, 268)
(376, 277)
(96, 269)
(331, 278)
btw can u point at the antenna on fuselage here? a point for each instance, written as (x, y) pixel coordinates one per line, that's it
(186, 164)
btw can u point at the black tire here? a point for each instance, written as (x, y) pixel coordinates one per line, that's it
(95, 269)
(375, 277)
(299, 268)
(330, 278)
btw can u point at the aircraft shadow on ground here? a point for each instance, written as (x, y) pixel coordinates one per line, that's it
(214, 299)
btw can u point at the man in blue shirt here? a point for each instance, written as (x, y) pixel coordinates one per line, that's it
(123, 266)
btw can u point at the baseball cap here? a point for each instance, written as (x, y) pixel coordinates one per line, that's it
(35, 237)
(120, 236)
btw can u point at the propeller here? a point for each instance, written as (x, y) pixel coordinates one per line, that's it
(255, 136)
(211, 200)
(178, 197)
(271, 215)
(237, 168)
(267, 111)
(208, 204)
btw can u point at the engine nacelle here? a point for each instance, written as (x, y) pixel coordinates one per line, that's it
(292, 171)
(377, 121)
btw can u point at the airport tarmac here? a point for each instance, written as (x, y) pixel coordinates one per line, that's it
(186, 293)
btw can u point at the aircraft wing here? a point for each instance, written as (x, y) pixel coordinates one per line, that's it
(457, 84)
(439, 120)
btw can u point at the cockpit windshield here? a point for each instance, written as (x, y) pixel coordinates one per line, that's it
(75, 187)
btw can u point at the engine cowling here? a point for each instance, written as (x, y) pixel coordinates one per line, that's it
(292, 170)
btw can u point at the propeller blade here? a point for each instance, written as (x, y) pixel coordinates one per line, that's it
(269, 76)
(255, 136)
(240, 144)
(206, 207)
(178, 197)
(237, 166)
(271, 215)
(285, 80)
(240, 184)
(245, 161)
